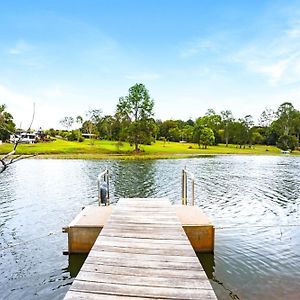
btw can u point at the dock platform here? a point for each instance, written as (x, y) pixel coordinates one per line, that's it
(85, 228)
(142, 252)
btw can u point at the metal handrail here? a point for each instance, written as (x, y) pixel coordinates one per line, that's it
(185, 173)
(105, 176)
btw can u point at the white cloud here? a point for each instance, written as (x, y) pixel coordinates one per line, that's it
(277, 58)
(274, 71)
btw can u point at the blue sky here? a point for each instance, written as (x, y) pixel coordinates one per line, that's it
(71, 56)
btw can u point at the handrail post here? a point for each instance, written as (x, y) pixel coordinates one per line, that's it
(193, 191)
(184, 187)
(105, 176)
(107, 188)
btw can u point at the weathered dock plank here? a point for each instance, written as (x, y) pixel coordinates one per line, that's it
(142, 253)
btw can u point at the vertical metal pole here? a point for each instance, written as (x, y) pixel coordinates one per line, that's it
(182, 187)
(193, 191)
(107, 187)
(99, 195)
(185, 188)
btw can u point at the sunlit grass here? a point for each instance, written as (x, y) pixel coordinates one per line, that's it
(111, 149)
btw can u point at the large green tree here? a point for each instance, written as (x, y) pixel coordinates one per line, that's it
(204, 136)
(227, 121)
(7, 126)
(136, 110)
(106, 127)
(286, 113)
(212, 121)
(296, 123)
(287, 126)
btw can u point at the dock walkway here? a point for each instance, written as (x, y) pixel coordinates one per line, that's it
(142, 253)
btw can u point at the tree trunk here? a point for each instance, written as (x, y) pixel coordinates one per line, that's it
(226, 135)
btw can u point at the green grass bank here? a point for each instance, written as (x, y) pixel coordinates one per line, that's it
(114, 150)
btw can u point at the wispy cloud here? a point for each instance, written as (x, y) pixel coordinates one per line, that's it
(20, 48)
(277, 58)
(196, 47)
(26, 54)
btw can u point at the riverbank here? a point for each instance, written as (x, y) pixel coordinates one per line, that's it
(115, 150)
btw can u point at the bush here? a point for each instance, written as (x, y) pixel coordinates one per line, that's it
(287, 142)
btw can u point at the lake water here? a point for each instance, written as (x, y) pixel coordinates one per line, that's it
(254, 202)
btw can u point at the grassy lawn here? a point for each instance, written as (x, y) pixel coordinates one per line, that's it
(110, 149)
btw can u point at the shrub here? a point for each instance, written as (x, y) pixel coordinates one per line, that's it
(287, 142)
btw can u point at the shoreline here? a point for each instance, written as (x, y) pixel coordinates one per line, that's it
(88, 156)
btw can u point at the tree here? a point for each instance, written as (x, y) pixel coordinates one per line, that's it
(165, 128)
(212, 121)
(227, 120)
(79, 121)
(205, 136)
(7, 126)
(266, 118)
(256, 137)
(106, 127)
(91, 125)
(296, 123)
(67, 122)
(287, 142)
(239, 133)
(187, 133)
(287, 126)
(137, 110)
(175, 134)
(248, 123)
(286, 113)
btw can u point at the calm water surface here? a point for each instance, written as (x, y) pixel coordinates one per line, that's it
(253, 201)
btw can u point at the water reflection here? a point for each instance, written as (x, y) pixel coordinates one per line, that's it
(207, 261)
(75, 263)
(134, 180)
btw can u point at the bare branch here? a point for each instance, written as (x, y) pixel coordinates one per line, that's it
(4, 157)
(33, 114)
(7, 160)
(11, 157)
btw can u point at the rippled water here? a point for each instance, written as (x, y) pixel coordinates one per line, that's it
(254, 202)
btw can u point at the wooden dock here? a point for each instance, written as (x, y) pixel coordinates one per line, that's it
(142, 253)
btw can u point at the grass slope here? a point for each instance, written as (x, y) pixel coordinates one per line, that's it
(110, 149)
